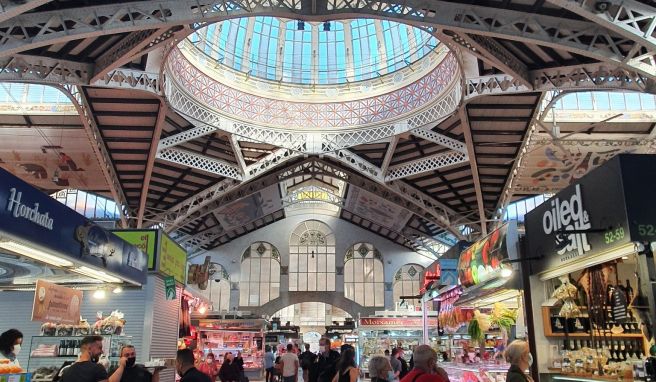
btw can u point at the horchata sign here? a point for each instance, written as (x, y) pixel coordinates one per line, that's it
(22, 210)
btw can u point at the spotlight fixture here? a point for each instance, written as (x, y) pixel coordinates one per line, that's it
(601, 6)
(300, 25)
(117, 290)
(100, 294)
(326, 26)
(506, 272)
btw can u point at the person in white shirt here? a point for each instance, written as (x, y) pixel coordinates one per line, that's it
(10, 345)
(289, 362)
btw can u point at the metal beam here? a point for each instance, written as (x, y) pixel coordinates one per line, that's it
(464, 118)
(234, 144)
(15, 8)
(389, 154)
(200, 162)
(161, 117)
(440, 139)
(27, 68)
(429, 163)
(30, 31)
(140, 42)
(496, 55)
(630, 19)
(79, 99)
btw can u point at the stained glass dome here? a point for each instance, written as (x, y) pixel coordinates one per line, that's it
(309, 53)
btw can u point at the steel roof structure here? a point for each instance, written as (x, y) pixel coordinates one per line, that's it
(440, 169)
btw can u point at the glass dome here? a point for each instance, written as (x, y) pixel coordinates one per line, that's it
(298, 52)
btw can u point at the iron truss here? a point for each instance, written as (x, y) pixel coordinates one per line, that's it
(617, 37)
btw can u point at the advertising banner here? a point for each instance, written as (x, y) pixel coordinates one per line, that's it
(173, 259)
(55, 303)
(481, 261)
(32, 217)
(145, 240)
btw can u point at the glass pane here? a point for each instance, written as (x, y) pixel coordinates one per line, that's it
(312, 263)
(369, 294)
(243, 294)
(321, 281)
(275, 271)
(255, 270)
(312, 281)
(330, 263)
(359, 295)
(330, 282)
(349, 291)
(302, 281)
(264, 293)
(348, 271)
(246, 270)
(293, 281)
(369, 270)
(379, 274)
(322, 264)
(266, 270)
(275, 291)
(293, 263)
(302, 263)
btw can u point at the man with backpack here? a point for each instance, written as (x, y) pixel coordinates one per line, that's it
(307, 359)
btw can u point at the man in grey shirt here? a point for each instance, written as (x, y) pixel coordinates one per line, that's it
(396, 364)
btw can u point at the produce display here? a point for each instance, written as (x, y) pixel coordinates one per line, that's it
(479, 262)
(7, 368)
(479, 324)
(502, 317)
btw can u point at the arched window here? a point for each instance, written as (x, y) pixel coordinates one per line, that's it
(260, 274)
(218, 288)
(312, 257)
(364, 278)
(406, 283)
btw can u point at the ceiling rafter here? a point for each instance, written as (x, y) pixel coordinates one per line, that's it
(148, 173)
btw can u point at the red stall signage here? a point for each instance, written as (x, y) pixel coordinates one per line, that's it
(430, 274)
(396, 322)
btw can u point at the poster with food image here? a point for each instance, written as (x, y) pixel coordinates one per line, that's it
(481, 261)
(55, 303)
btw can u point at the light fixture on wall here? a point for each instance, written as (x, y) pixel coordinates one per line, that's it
(313, 253)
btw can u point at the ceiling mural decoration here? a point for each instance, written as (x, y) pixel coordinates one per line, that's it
(249, 209)
(551, 166)
(376, 209)
(51, 159)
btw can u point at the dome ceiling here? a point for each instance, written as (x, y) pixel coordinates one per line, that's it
(297, 52)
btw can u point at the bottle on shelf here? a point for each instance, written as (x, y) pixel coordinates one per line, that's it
(62, 348)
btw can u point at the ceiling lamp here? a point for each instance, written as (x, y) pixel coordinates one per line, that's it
(100, 294)
(35, 254)
(100, 275)
(117, 290)
(300, 25)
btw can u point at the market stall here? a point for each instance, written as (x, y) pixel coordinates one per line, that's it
(478, 314)
(220, 336)
(65, 277)
(377, 334)
(591, 293)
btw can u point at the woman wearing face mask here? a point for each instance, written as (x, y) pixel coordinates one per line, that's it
(517, 354)
(380, 369)
(210, 367)
(10, 345)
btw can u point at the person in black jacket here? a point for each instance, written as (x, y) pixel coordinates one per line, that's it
(239, 361)
(229, 371)
(518, 355)
(325, 366)
(307, 359)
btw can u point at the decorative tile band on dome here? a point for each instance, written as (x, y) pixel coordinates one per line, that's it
(302, 115)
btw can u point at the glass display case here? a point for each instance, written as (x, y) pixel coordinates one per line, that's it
(49, 353)
(476, 372)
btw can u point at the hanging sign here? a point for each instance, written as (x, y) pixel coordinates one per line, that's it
(395, 322)
(145, 240)
(33, 218)
(597, 209)
(169, 287)
(449, 271)
(173, 259)
(55, 303)
(482, 260)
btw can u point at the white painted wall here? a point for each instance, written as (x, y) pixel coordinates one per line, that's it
(346, 234)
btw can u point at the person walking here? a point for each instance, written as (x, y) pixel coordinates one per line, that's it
(290, 365)
(519, 357)
(404, 364)
(269, 360)
(347, 369)
(210, 367)
(87, 369)
(229, 371)
(380, 369)
(307, 358)
(396, 364)
(425, 369)
(184, 366)
(10, 345)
